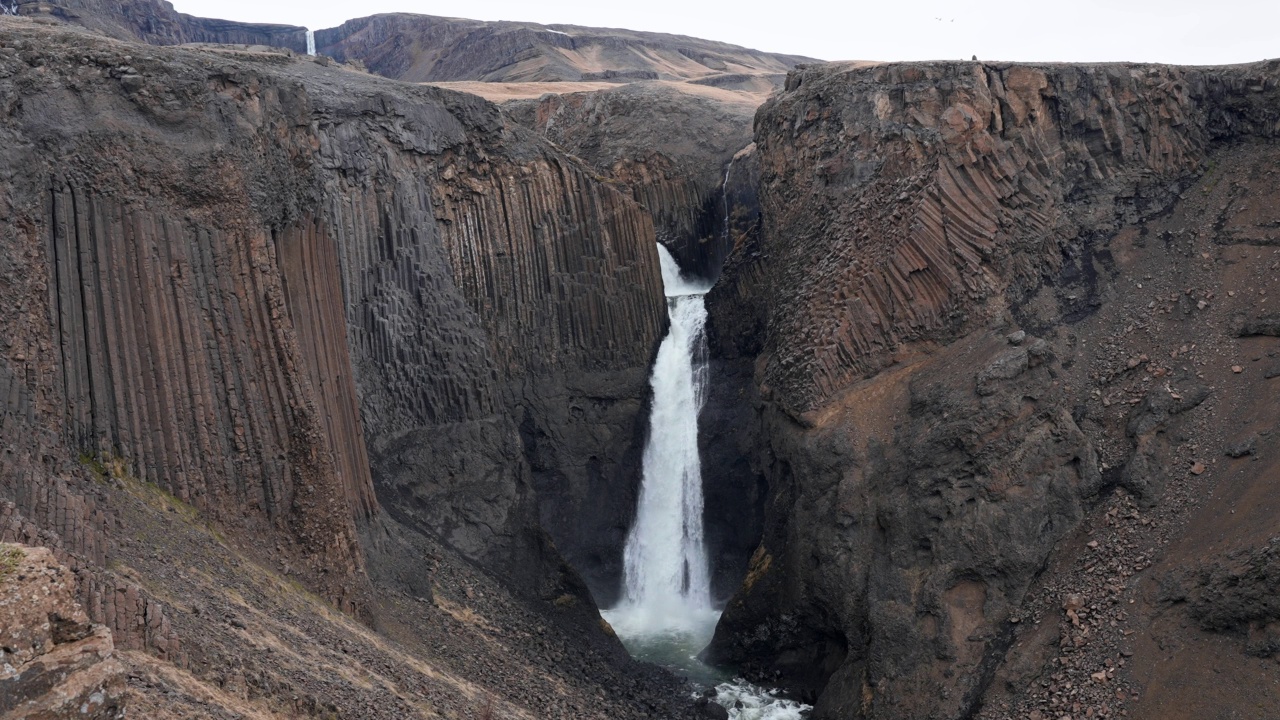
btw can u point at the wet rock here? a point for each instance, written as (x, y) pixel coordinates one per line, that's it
(711, 710)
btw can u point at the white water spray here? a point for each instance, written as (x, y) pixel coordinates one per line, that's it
(724, 196)
(667, 582)
(311, 42)
(666, 615)
(9, 8)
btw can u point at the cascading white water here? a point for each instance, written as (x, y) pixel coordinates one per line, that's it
(724, 196)
(667, 583)
(666, 616)
(311, 42)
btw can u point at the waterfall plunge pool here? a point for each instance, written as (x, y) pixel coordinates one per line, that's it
(674, 640)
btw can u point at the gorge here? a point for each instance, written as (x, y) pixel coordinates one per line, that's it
(427, 367)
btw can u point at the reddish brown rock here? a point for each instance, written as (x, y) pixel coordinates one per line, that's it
(54, 663)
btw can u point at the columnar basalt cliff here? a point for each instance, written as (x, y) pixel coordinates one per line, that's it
(670, 145)
(930, 480)
(156, 22)
(295, 299)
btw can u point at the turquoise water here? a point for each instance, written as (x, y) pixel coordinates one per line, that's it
(675, 643)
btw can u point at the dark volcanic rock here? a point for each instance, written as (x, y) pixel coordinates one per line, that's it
(923, 472)
(672, 148)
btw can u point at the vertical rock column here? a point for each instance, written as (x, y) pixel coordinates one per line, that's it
(183, 353)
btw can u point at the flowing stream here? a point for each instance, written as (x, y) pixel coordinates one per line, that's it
(666, 616)
(311, 42)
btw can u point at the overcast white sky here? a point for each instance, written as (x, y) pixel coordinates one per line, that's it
(1172, 31)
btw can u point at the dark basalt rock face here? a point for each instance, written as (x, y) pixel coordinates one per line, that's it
(926, 476)
(293, 297)
(156, 22)
(671, 148)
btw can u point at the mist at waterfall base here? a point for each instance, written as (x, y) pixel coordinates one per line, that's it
(666, 616)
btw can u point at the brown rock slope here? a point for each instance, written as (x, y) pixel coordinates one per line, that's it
(157, 23)
(964, 524)
(277, 326)
(424, 48)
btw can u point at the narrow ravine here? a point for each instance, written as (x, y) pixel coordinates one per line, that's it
(666, 615)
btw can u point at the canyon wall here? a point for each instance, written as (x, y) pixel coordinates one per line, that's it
(293, 297)
(156, 22)
(670, 146)
(945, 378)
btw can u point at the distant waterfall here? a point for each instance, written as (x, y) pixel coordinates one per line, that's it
(724, 196)
(667, 581)
(311, 42)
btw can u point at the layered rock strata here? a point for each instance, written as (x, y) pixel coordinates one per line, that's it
(923, 470)
(156, 22)
(424, 48)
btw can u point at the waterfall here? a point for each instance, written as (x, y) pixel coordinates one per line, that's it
(311, 42)
(724, 196)
(667, 581)
(666, 615)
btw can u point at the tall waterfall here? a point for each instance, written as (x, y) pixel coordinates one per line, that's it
(666, 615)
(667, 582)
(311, 42)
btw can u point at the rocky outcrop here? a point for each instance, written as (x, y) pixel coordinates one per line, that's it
(423, 48)
(54, 663)
(156, 22)
(927, 474)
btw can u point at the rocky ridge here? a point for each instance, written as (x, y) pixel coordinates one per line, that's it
(424, 48)
(157, 23)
